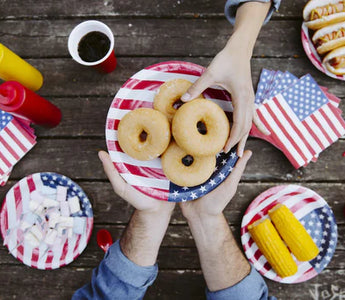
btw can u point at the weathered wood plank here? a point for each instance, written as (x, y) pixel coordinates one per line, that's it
(170, 284)
(177, 252)
(64, 77)
(110, 209)
(84, 117)
(112, 8)
(64, 155)
(150, 37)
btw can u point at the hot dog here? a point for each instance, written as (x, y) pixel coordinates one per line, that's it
(321, 13)
(334, 61)
(329, 38)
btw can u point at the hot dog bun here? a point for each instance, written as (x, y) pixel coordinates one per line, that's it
(325, 12)
(329, 38)
(334, 61)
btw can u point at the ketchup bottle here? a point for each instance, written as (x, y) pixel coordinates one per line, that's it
(20, 101)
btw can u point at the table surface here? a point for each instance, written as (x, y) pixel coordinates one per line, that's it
(148, 32)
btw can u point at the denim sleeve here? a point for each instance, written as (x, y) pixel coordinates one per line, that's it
(117, 278)
(232, 5)
(252, 287)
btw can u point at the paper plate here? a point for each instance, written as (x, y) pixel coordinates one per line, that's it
(148, 176)
(16, 203)
(313, 55)
(315, 215)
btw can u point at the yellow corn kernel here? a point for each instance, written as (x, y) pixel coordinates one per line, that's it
(272, 247)
(293, 233)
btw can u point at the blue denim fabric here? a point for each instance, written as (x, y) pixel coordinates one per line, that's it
(232, 5)
(117, 277)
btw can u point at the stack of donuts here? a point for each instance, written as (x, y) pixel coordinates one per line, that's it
(327, 18)
(187, 136)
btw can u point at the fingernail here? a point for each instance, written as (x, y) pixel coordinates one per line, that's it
(185, 97)
(240, 153)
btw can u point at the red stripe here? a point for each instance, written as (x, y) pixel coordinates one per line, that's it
(147, 172)
(111, 123)
(329, 122)
(75, 250)
(29, 137)
(31, 183)
(337, 115)
(49, 260)
(159, 194)
(34, 257)
(5, 161)
(313, 134)
(278, 141)
(321, 128)
(293, 125)
(178, 67)
(137, 84)
(16, 140)
(130, 104)
(286, 134)
(217, 94)
(302, 204)
(64, 253)
(9, 148)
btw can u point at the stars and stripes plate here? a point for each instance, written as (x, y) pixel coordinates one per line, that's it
(16, 204)
(312, 54)
(315, 215)
(147, 176)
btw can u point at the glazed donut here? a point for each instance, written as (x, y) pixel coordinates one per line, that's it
(200, 127)
(167, 100)
(144, 133)
(186, 170)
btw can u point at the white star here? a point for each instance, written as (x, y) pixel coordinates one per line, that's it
(202, 188)
(193, 195)
(218, 154)
(325, 233)
(212, 182)
(51, 182)
(329, 218)
(317, 232)
(175, 194)
(317, 265)
(315, 240)
(310, 223)
(54, 177)
(45, 178)
(323, 241)
(328, 258)
(184, 200)
(309, 231)
(224, 162)
(327, 225)
(321, 217)
(319, 257)
(329, 250)
(233, 155)
(324, 210)
(230, 169)
(221, 176)
(331, 242)
(216, 168)
(185, 188)
(303, 222)
(334, 234)
(318, 224)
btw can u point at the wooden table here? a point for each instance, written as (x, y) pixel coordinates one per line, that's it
(148, 32)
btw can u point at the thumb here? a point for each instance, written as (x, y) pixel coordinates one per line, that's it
(198, 87)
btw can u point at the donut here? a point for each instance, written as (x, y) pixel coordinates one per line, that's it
(184, 169)
(167, 100)
(200, 127)
(144, 133)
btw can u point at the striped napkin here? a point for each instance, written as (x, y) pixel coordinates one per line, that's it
(303, 117)
(16, 139)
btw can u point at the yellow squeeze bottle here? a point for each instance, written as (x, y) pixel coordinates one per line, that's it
(12, 67)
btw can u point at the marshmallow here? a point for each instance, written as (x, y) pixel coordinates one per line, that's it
(79, 225)
(36, 196)
(61, 193)
(47, 202)
(31, 239)
(25, 225)
(37, 232)
(69, 232)
(61, 231)
(65, 222)
(64, 208)
(74, 204)
(54, 218)
(50, 237)
(36, 208)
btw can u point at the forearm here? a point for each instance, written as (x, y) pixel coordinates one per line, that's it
(222, 261)
(249, 19)
(142, 238)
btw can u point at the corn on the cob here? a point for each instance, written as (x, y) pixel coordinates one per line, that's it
(293, 233)
(272, 247)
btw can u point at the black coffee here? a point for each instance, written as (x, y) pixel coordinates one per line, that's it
(93, 46)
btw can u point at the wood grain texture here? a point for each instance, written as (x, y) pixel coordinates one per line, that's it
(51, 9)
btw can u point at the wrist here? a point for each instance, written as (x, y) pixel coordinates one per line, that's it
(240, 43)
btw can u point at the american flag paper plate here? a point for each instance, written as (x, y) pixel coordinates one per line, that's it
(147, 176)
(16, 205)
(315, 215)
(312, 54)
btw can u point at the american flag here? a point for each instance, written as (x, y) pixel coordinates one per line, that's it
(302, 121)
(139, 91)
(314, 214)
(16, 204)
(15, 141)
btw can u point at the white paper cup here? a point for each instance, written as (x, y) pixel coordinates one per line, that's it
(105, 64)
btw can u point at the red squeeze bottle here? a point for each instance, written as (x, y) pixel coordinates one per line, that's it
(19, 100)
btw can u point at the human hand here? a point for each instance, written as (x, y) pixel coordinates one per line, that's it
(137, 199)
(230, 69)
(214, 202)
